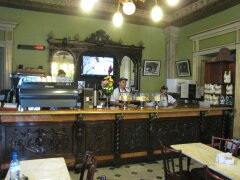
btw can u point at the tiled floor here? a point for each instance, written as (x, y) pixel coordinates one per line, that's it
(142, 171)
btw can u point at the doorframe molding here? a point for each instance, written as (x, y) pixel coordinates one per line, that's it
(7, 44)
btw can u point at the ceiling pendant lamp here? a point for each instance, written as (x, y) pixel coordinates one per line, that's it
(172, 2)
(118, 19)
(156, 13)
(129, 7)
(87, 5)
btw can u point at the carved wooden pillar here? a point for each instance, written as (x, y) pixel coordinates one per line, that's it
(79, 130)
(171, 35)
(151, 134)
(117, 152)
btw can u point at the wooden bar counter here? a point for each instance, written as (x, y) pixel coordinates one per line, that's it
(115, 136)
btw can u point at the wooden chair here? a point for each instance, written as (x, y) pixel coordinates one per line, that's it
(210, 175)
(89, 162)
(91, 171)
(225, 145)
(171, 172)
(6, 95)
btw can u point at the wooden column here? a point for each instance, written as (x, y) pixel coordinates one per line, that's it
(236, 124)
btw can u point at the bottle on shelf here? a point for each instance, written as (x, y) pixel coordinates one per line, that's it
(95, 96)
(14, 167)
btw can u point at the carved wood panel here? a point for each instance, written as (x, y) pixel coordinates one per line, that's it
(99, 137)
(99, 43)
(38, 140)
(134, 136)
(169, 131)
(211, 126)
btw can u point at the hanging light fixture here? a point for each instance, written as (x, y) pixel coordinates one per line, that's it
(156, 13)
(118, 17)
(87, 5)
(128, 7)
(172, 2)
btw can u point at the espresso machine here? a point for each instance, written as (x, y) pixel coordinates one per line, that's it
(87, 98)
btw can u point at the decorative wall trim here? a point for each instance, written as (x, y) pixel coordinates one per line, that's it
(216, 31)
(7, 44)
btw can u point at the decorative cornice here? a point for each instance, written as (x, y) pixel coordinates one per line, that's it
(186, 11)
(8, 25)
(103, 10)
(171, 32)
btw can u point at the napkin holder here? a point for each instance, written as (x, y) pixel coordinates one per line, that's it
(224, 158)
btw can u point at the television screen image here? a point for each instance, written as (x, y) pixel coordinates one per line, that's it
(95, 65)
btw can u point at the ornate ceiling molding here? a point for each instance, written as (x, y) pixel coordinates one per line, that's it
(194, 11)
(186, 11)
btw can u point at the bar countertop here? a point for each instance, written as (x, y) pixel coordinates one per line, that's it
(114, 110)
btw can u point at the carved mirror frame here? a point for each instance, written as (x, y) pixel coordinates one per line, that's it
(99, 43)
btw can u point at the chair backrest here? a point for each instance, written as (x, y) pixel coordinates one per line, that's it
(6, 95)
(91, 171)
(169, 157)
(210, 175)
(88, 161)
(225, 145)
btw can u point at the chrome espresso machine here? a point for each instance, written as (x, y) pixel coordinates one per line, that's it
(48, 95)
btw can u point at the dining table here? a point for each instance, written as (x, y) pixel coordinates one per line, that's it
(206, 155)
(43, 169)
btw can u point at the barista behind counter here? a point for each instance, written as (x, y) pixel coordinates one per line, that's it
(116, 93)
(170, 100)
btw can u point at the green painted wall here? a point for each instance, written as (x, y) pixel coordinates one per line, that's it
(33, 28)
(218, 40)
(184, 46)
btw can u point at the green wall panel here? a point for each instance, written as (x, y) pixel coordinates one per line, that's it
(218, 40)
(2, 35)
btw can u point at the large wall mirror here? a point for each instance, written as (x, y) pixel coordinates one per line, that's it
(127, 71)
(81, 59)
(63, 60)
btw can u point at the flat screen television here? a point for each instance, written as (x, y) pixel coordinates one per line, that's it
(96, 65)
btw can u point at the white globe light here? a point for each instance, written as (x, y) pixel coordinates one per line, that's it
(129, 8)
(117, 19)
(172, 2)
(156, 14)
(87, 5)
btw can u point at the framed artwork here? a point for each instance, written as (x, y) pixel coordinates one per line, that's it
(151, 68)
(183, 68)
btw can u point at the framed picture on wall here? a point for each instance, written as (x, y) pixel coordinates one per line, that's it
(151, 68)
(183, 68)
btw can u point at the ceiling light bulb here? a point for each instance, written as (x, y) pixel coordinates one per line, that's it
(172, 2)
(156, 13)
(87, 5)
(117, 19)
(129, 8)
